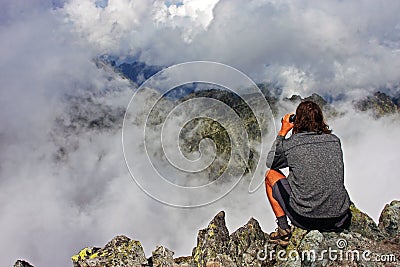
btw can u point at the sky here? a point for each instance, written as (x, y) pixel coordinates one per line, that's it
(54, 202)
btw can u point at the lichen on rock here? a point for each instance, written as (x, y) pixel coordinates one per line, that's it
(120, 251)
(211, 241)
(250, 246)
(380, 104)
(162, 257)
(389, 221)
(363, 224)
(245, 243)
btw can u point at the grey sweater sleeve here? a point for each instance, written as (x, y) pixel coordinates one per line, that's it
(276, 158)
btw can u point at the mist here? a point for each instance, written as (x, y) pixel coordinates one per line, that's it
(64, 184)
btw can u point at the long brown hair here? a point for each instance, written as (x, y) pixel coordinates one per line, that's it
(309, 118)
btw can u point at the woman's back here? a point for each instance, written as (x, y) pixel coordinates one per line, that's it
(316, 175)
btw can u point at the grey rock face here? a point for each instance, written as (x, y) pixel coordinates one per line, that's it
(379, 103)
(120, 251)
(363, 224)
(389, 221)
(245, 243)
(162, 257)
(212, 242)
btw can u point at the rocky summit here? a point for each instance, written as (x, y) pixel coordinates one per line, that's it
(364, 244)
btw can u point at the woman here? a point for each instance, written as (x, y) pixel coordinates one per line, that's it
(313, 195)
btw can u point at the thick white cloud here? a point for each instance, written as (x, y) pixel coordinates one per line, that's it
(50, 209)
(329, 42)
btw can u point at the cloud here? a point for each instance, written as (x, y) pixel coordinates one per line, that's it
(42, 63)
(335, 49)
(84, 197)
(370, 156)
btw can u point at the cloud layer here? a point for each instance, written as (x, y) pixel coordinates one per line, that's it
(50, 208)
(327, 46)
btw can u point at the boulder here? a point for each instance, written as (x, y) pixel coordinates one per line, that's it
(361, 245)
(363, 224)
(162, 257)
(120, 251)
(380, 104)
(389, 221)
(212, 241)
(245, 243)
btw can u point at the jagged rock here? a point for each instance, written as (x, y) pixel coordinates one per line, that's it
(245, 243)
(335, 249)
(363, 224)
(120, 251)
(162, 257)
(22, 263)
(84, 254)
(311, 242)
(212, 241)
(249, 246)
(314, 97)
(380, 104)
(328, 109)
(208, 128)
(183, 261)
(202, 128)
(389, 221)
(311, 248)
(294, 98)
(317, 99)
(220, 260)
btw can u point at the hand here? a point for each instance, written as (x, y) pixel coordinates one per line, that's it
(286, 125)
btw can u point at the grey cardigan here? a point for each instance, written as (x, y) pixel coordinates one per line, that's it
(316, 173)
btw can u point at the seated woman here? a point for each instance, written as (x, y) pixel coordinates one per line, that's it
(313, 195)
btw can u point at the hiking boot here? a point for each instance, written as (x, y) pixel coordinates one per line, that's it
(281, 236)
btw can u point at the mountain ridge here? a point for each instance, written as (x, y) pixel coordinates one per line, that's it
(362, 245)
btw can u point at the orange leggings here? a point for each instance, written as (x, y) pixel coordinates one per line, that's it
(271, 177)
